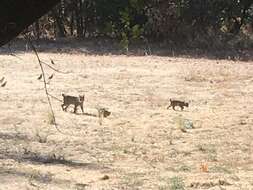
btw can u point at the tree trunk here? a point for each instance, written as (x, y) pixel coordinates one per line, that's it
(37, 29)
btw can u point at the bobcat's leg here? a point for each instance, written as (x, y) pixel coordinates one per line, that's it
(66, 107)
(63, 107)
(82, 108)
(75, 108)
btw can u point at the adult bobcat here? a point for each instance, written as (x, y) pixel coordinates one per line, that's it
(76, 101)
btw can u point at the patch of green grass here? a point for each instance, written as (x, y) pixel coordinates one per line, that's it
(51, 119)
(212, 157)
(37, 176)
(208, 149)
(176, 183)
(163, 187)
(184, 168)
(220, 169)
(134, 180)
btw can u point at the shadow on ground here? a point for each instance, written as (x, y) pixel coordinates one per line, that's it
(48, 159)
(110, 47)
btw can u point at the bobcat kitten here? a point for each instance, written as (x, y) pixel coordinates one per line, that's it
(76, 101)
(102, 113)
(174, 103)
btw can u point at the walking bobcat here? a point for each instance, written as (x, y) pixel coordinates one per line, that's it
(174, 103)
(76, 101)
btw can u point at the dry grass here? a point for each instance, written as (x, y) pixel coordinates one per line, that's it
(141, 145)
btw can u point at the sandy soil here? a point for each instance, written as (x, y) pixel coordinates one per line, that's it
(141, 145)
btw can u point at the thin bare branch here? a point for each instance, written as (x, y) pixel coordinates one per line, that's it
(44, 81)
(54, 68)
(55, 98)
(10, 52)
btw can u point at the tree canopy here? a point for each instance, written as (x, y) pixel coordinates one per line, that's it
(16, 15)
(205, 22)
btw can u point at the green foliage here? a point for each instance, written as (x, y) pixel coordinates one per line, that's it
(124, 42)
(197, 21)
(109, 28)
(137, 32)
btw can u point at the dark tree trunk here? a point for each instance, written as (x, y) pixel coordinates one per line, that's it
(79, 18)
(72, 24)
(60, 28)
(16, 15)
(37, 29)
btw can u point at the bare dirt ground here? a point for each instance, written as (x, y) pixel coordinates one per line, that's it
(141, 145)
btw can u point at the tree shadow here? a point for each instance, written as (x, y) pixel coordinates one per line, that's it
(101, 46)
(51, 160)
(48, 159)
(12, 136)
(36, 177)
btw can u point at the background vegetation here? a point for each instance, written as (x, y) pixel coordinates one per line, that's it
(192, 23)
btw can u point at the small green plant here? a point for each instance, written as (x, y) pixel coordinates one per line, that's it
(206, 148)
(176, 183)
(134, 180)
(184, 168)
(210, 150)
(51, 119)
(171, 136)
(41, 136)
(163, 187)
(220, 169)
(212, 157)
(179, 121)
(38, 177)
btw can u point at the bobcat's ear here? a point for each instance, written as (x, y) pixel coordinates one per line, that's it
(81, 97)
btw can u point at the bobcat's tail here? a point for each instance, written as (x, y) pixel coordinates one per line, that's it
(170, 104)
